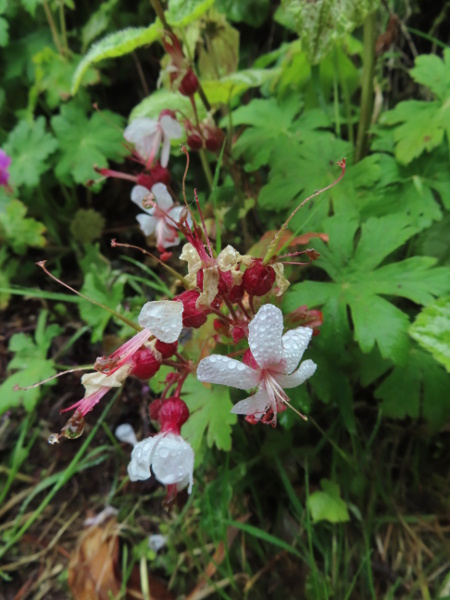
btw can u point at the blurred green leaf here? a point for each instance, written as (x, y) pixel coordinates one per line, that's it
(19, 232)
(29, 146)
(328, 505)
(431, 330)
(182, 12)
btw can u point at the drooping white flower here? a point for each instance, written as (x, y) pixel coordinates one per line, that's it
(276, 358)
(148, 134)
(170, 457)
(160, 219)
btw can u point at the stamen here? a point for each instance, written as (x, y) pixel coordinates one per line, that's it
(203, 224)
(110, 364)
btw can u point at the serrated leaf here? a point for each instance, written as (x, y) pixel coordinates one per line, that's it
(31, 364)
(328, 504)
(420, 388)
(85, 142)
(19, 232)
(29, 146)
(322, 23)
(229, 87)
(210, 414)
(98, 22)
(182, 12)
(431, 330)
(358, 283)
(433, 72)
(116, 44)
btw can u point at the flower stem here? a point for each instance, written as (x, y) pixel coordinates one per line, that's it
(367, 87)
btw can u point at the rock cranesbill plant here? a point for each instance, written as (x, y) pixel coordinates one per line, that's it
(232, 289)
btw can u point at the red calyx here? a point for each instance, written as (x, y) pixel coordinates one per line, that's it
(145, 364)
(236, 293)
(192, 317)
(195, 141)
(249, 360)
(172, 414)
(154, 408)
(214, 139)
(166, 350)
(189, 83)
(258, 279)
(238, 333)
(167, 111)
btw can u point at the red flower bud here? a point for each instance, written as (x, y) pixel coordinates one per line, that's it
(154, 408)
(189, 84)
(192, 317)
(166, 350)
(145, 364)
(236, 293)
(258, 279)
(172, 414)
(167, 111)
(214, 139)
(195, 141)
(238, 333)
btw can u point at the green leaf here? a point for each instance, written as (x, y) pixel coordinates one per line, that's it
(98, 22)
(210, 415)
(220, 56)
(328, 504)
(19, 232)
(431, 330)
(358, 283)
(420, 388)
(117, 44)
(161, 99)
(85, 142)
(423, 124)
(322, 23)
(182, 12)
(251, 12)
(104, 286)
(31, 364)
(31, 5)
(229, 87)
(29, 146)
(4, 33)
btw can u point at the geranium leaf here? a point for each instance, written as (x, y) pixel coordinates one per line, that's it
(431, 330)
(327, 505)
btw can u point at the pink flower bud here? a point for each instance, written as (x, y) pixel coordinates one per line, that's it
(192, 317)
(189, 83)
(166, 350)
(167, 112)
(258, 279)
(195, 141)
(154, 408)
(214, 139)
(145, 364)
(172, 415)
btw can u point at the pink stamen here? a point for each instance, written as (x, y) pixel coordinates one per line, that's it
(110, 364)
(87, 403)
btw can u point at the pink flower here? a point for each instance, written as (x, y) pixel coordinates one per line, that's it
(5, 161)
(160, 219)
(148, 134)
(276, 358)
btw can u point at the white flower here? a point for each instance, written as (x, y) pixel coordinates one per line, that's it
(161, 219)
(171, 459)
(277, 357)
(147, 134)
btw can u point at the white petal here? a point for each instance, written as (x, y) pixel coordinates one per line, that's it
(304, 372)
(265, 332)
(166, 236)
(295, 343)
(147, 223)
(139, 467)
(173, 460)
(175, 213)
(253, 405)
(139, 129)
(165, 152)
(171, 127)
(227, 371)
(163, 198)
(163, 318)
(140, 193)
(92, 382)
(125, 433)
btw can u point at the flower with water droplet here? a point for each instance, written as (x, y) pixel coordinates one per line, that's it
(271, 366)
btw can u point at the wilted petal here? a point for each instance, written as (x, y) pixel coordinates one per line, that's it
(210, 288)
(295, 343)
(228, 258)
(304, 372)
(139, 467)
(163, 318)
(163, 198)
(94, 381)
(171, 127)
(281, 281)
(173, 460)
(265, 332)
(227, 371)
(139, 194)
(253, 405)
(147, 223)
(166, 235)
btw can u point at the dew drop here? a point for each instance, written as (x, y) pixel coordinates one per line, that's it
(163, 452)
